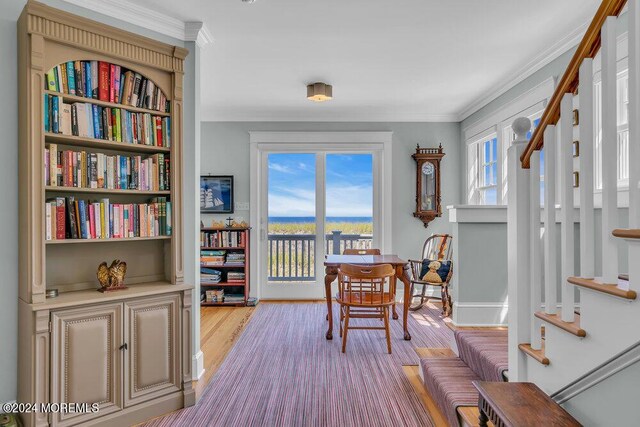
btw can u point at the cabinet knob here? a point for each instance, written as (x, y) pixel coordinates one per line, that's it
(124, 346)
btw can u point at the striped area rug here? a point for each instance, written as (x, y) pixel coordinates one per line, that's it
(283, 372)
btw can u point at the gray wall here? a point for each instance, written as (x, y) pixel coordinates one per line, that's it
(225, 150)
(9, 13)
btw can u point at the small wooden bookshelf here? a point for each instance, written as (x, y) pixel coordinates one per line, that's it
(221, 243)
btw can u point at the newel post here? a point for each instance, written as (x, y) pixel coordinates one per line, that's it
(518, 249)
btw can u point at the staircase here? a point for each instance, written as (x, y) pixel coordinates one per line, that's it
(569, 256)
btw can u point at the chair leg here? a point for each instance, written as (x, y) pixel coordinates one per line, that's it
(341, 318)
(386, 328)
(346, 330)
(446, 300)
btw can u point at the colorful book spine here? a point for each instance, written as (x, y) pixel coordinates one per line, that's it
(71, 78)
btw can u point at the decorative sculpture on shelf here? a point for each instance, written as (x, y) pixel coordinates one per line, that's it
(428, 183)
(112, 278)
(217, 224)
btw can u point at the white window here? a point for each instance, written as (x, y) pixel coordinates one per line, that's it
(488, 142)
(622, 113)
(483, 170)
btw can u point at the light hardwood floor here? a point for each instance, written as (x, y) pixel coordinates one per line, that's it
(220, 327)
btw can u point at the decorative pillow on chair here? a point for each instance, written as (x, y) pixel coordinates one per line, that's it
(435, 271)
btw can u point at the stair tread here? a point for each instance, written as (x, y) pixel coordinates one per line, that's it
(606, 288)
(556, 320)
(536, 354)
(627, 233)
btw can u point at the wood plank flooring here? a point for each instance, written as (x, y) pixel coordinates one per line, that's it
(220, 327)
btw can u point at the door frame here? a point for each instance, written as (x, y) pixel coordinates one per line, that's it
(264, 143)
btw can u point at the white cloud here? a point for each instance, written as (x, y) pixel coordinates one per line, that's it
(342, 200)
(281, 168)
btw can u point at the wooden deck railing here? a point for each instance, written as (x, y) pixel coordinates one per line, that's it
(588, 48)
(292, 256)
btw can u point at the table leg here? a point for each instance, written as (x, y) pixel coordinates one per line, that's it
(393, 307)
(330, 275)
(482, 419)
(403, 273)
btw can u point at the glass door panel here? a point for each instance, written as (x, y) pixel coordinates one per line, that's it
(348, 202)
(291, 246)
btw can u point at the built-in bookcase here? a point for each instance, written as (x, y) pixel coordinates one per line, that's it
(59, 64)
(133, 177)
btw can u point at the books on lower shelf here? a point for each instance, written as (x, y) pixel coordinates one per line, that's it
(209, 276)
(219, 296)
(83, 169)
(222, 239)
(88, 120)
(106, 82)
(235, 259)
(235, 277)
(68, 218)
(212, 258)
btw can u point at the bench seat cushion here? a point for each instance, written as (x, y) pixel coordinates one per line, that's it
(448, 381)
(485, 352)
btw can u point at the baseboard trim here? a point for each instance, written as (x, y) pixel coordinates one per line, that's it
(475, 314)
(197, 365)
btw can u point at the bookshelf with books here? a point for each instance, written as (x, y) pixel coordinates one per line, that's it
(224, 266)
(100, 171)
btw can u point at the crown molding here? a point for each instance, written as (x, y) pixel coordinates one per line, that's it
(149, 19)
(554, 51)
(197, 32)
(239, 114)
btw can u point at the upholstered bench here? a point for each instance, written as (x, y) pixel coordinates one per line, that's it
(449, 382)
(485, 352)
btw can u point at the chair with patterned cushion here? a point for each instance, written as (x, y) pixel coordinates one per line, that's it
(365, 292)
(433, 271)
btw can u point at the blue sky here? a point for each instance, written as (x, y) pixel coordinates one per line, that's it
(349, 185)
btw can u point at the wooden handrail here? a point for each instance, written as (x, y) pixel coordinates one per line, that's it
(588, 48)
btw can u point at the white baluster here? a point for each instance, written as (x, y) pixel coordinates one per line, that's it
(550, 249)
(587, 223)
(634, 113)
(566, 203)
(634, 143)
(536, 249)
(609, 152)
(518, 260)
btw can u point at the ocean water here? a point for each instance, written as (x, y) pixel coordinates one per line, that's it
(310, 219)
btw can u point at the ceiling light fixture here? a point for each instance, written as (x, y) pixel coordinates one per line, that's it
(319, 92)
(248, 1)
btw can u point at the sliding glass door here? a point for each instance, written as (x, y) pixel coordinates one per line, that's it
(317, 203)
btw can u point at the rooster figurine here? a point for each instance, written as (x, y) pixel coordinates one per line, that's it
(112, 278)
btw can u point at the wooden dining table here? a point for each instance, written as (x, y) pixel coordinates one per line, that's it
(332, 263)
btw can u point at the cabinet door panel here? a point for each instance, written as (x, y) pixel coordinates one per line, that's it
(152, 366)
(86, 360)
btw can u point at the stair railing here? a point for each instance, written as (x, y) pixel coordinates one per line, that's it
(534, 252)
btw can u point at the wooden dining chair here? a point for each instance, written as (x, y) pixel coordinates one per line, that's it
(365, 292)
(370, 251)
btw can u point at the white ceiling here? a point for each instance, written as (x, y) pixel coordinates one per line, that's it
(388, 60)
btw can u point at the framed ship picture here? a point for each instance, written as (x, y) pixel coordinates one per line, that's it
(216, 194)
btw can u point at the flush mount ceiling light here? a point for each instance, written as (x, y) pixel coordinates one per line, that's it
(319, 92)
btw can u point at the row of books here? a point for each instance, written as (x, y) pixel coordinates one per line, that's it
(214, 295)
(212, 258)
(235, 259)
(67, 218)
(113, 124)
(209, 276)
(83, 169)
(235, 277)
(106, 82)
(224, 239)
